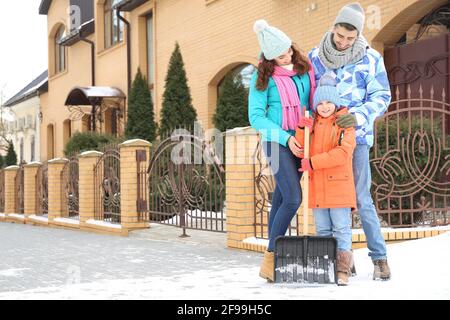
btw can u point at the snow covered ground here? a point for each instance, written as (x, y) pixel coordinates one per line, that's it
(421, 270)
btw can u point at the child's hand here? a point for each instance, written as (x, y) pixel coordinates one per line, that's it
(306, 122)
(306, 165)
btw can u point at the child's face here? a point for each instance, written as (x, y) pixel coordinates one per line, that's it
(285, 59)
(326, 109)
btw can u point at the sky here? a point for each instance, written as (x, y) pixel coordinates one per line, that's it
(23, 55)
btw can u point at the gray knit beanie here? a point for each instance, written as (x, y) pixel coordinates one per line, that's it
(352, 14)
(327, 91)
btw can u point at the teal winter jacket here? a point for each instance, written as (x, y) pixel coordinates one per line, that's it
(265, 111)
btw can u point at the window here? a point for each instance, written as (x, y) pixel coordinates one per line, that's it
(242, 73)
(60, 51)
(113, 26)
(150, 66)
(67, 131)
(21, 151)
(50, 142)
(33, 145)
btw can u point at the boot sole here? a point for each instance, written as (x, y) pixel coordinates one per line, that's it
(382, 279)
(266, 278)
(342, 284)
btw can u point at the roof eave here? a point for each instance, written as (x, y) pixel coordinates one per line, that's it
(44, 7)
(129, 5)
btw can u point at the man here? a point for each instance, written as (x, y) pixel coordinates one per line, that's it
(364, 88)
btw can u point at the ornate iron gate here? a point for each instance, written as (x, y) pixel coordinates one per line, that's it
(19, 183)
(42, 190)
(186, 185)
(264, 188)
(2, 191)
(411, 161)
(107, 186)
(69, 189)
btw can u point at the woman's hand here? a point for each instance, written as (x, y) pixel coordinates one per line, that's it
(295, 147)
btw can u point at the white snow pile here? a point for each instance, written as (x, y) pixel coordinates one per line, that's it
(420, 270)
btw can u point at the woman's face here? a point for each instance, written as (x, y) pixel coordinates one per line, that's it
(285, 59)
(326, 109)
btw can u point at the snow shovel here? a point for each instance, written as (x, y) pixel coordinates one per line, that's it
(305, 259)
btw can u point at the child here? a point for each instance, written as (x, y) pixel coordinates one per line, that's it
(282, 84)
(332, 190)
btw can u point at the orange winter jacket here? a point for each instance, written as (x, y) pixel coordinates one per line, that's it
(331, 182)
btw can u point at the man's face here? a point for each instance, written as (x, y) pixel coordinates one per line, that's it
(344, 39)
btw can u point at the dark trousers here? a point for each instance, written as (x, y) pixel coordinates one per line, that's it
(287, 196)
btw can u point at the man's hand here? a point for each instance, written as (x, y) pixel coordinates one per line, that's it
(295, 147)
(346, 121)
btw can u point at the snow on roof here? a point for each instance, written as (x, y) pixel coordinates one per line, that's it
(81, 95)
(29, 90)
(102, 92)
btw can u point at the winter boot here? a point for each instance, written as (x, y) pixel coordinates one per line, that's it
(267, 267)
(381, 270)
(353, 271)
(344, 266)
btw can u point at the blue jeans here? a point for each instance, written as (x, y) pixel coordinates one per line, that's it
(366, 208)
(335, 222)
(287, 196)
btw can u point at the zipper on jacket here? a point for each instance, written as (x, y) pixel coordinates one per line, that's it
(341, 136)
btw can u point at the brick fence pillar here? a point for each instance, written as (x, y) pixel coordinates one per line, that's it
(10, 189)
(55, 167)
(87, 162)
(129, 153)
(30, 171)
(240, 145)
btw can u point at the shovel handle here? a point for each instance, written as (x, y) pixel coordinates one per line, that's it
(306, 182)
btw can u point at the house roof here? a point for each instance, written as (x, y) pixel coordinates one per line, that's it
(40, 84)
(44, 6)
(86, 96)
(76, 35)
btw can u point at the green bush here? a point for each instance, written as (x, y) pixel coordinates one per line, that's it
(140, 124)
(86, 141)
(11, 156)
(177, 109)
(232, 105)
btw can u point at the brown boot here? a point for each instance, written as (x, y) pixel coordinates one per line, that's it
(267, 267)
(381, 270)
(344, 266)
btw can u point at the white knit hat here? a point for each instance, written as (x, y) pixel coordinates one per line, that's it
(273, 41)
(352, 14)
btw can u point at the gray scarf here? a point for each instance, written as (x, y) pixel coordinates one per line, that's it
(334, 59)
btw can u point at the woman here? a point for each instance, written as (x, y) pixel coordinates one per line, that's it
(282, 84)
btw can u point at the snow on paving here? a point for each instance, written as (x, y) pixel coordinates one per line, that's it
(420, 270)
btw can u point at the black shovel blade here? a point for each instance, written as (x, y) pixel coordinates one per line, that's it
(305, 259)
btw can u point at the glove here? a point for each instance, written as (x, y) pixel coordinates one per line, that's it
(346, 121)
(306, 165)
(306, 122)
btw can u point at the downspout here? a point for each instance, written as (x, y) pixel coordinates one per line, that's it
(128, 48)
(93, 111)
(92, 43)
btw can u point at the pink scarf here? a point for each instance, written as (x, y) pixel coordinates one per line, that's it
(290, 101)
